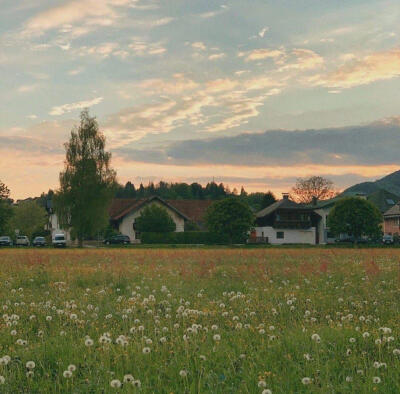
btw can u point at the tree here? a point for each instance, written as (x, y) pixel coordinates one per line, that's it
(29, 217)
(87, 183)
(5, 208)
(355, 216)
(154, 219)
(306, 189)
(268, 199)
(229, 217)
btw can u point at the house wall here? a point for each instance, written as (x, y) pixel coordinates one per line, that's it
(290, 236)
(391, 226)
(54, 227)
(323, 228)
(126, 225)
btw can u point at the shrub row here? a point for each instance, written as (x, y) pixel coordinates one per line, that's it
(188, 237)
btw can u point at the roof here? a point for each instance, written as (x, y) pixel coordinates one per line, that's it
(281, 204)
(394, 211)
(383, 200)
(193, 210)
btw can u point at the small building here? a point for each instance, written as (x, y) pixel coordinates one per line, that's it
(391, 220)
(123, 213)
(286, 222)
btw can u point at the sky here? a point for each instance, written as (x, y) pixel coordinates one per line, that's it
(246, 92)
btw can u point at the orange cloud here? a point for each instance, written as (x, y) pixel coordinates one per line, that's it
(371, 68)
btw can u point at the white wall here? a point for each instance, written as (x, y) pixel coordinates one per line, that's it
(290, 236)
(54, 227)
(126, 225)
(323, 225)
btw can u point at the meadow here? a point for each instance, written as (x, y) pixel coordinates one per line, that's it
(200, 321)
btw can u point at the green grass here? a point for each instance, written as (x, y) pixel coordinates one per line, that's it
(266, 304)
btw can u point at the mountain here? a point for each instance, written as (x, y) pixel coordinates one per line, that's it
(390, 183)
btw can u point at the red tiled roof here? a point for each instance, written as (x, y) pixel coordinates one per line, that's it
(194, 210)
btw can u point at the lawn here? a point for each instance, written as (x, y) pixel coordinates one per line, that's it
(200, 321)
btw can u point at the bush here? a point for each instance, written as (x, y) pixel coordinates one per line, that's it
(187, 238)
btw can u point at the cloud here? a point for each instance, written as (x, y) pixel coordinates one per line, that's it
(62, 109)
(27, 88)
(179, 84)
(374, 67)
(95, 12)
(217, 56)
(212, 14)
(259, 54)
(200, 46)
(331, 147)
(302, 59)
(262, 32)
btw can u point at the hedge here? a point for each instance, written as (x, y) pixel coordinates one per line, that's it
(188, 237)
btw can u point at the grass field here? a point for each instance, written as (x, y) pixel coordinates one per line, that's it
(200, 321)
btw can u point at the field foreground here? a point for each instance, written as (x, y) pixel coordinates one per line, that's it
(200, 321)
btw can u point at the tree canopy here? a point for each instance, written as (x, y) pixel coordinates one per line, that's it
(5, 209)
(230, 217)
(306, 189)
(154, 219)
(29, 217)
(87, 183)
(355, 216)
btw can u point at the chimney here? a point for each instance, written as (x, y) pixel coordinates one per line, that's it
(285, 196)
(314, 201)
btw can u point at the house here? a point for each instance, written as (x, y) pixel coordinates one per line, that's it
(123, 213)
(53, 224)
(286, 222)
(391, 220)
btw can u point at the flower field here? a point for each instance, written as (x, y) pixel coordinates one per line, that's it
(200, 321)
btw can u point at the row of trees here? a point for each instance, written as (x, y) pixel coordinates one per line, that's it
(88, 184)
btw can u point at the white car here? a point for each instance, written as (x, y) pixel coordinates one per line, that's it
(22, 240)
(59, 241)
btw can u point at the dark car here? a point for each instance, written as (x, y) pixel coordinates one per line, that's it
(117, 239)
(6, 241)
(39, 241)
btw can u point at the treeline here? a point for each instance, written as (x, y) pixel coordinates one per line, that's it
(193, 191)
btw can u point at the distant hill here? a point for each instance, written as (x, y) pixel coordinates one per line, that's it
(390, 183)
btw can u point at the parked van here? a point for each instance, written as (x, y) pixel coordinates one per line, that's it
(59, 241)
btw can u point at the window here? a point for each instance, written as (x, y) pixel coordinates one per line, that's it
(280, 235)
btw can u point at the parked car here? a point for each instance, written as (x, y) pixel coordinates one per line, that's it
(117, 239)
(22, 240)
(39, 241)
(59, 241)
(6, 241)
(387, 239)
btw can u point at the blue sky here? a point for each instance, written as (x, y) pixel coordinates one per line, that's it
(190, 90)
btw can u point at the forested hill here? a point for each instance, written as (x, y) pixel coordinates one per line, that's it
(193, 191)
(390, 182)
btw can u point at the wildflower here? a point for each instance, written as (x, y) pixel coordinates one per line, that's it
(13, 333)
(307, 356)
(146, 350)
(115, 383)
(352, 340)
(30, 365)
(349, 379)
(266, 391)
(71, 368)
(128, 378)
(183, 373)
(376, 379)
(262, 384)
(217, 337)
(136, 383)
(316, 338)
(67, 374)
(30, 374)
(49, 318)
(306, 380)
(396, 352)
(378, 341)
(88, 342)
(203, 358)
(366, 334)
